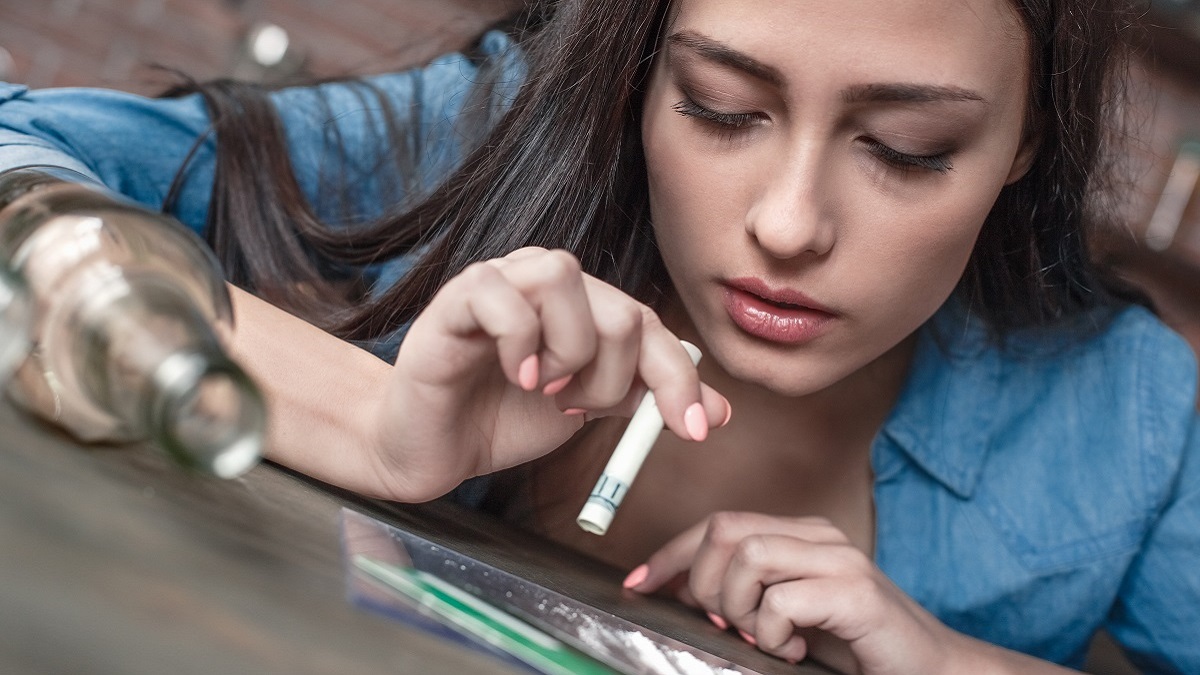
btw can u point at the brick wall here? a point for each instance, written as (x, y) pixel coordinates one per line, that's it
(112, 42)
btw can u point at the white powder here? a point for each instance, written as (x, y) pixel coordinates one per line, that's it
(634, 647)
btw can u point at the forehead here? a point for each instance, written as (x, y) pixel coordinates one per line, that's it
(977, 43)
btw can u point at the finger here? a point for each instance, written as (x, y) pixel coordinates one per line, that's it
(760, 561)
(522, 253)
(480, 299)
(721, 532)
(766, 546)
(672, 559)
(755, 564)
(668, 371)
(793, 650)
(716, 406)
(611, 377)
(839, 606)
(553, 282)
(677, 588)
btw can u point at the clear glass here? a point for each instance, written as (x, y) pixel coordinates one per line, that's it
(128, 307)
(15, 322)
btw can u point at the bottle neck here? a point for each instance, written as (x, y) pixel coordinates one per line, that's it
(16, 319)
(152, 360)
(204, 411)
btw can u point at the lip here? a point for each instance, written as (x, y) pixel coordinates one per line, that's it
(779, 315)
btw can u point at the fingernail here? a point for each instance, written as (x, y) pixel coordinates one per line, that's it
(718, 621)
(636, 577)
(556, 386)
(748, 638)
(527, 373)
(728, 413)
(696, 422)
(574, 411)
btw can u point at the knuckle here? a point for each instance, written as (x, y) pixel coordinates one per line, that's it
(706, 596)
(724, 528)
(649, 318)
(777, 600)
(526, 250)
(477, 273)
(862, 592)
(753, 552)
(852, 560)
(621, 324)
(560, 265)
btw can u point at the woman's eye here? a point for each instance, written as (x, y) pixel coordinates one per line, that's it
(726, 121)
(939, 162)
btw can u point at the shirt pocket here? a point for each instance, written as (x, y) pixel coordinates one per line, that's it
(1074, 524)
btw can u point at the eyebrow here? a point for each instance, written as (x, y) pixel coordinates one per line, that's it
(724, 55)
(908, 93)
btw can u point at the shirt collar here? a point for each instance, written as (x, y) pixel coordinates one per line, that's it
(945, 414)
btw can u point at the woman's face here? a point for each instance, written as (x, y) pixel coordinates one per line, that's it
(819, 171)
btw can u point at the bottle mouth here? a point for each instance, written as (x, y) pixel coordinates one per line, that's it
(15, 320)
(209, 415)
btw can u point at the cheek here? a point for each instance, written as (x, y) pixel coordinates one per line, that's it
(694, 200)
(921, 254)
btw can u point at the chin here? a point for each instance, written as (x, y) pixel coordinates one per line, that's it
(781, 376)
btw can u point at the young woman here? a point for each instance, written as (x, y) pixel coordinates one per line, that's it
(936, 436)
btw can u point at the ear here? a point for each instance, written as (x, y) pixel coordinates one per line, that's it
(1026, 153)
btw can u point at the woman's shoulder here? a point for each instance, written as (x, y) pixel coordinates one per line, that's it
(1125, 354)
(1107, 399)
(1068, 440)
(1098, 411)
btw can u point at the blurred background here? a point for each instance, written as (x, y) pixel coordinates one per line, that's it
(113, 43)
(118, 43)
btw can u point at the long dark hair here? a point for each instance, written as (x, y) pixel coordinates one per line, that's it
(563, 168)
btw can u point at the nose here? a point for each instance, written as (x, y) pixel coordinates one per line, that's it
(792, 214)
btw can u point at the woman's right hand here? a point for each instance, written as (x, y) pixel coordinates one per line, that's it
(509, 358)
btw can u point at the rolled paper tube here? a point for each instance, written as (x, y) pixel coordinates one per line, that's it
(643, 430)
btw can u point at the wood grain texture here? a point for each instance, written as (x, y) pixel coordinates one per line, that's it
(116, 561)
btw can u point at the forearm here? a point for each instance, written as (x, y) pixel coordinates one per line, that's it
(322, 394)
(984, 658)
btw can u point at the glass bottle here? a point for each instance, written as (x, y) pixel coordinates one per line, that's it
(15, 320)
(129, 310)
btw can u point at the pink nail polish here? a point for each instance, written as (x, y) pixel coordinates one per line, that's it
(718, 621)
(748, 638)
(636, 577)
(557, 385)
(574, 411)
(696, 422)
(527, 373)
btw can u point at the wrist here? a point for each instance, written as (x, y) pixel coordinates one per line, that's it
(971, 655)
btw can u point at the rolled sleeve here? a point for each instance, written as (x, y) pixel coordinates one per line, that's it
(357, 147)
(133, 144)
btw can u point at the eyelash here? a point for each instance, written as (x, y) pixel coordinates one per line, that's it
(730, 123)
(904, 161)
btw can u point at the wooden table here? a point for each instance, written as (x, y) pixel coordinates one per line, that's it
(112, 560)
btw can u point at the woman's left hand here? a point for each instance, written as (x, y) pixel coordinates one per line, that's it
(797, 587)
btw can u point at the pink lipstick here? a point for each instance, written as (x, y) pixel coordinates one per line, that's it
(778, 315)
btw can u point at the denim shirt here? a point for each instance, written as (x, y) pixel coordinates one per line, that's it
(1027, 494)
